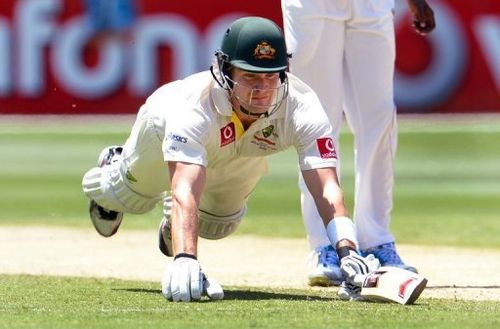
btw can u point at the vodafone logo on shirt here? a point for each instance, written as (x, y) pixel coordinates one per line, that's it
(227, 134)
(326, 148)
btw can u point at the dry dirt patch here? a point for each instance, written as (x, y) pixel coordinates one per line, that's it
(238, 261)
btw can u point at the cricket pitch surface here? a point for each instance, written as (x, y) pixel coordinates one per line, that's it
(254, 261)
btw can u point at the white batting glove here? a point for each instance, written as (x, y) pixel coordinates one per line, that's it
(184, 281)
(350, 292)
(355, 267)
(212, 288)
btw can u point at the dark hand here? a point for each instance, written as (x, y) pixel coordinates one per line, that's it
(423, 16)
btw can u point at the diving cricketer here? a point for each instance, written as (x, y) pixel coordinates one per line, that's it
(199, 146)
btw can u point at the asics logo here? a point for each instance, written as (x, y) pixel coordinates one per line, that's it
(177, 138)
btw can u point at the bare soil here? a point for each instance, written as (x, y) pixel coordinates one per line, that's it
(455, 273)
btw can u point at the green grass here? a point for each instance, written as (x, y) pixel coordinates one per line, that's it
(60, 302)
(447, 193)
(447, 181)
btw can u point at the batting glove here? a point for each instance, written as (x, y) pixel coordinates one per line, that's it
(349, 292)
(184, 281)
(212, 288)
(355, 267)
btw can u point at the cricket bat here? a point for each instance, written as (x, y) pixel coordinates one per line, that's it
(393, 284)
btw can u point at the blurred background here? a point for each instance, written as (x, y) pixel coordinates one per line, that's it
(63, 57)
(73, 74)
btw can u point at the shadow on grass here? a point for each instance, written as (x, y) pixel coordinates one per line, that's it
(236, 294)
(462, 287)
(263, 295)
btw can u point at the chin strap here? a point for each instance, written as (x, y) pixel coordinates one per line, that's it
(257, 115)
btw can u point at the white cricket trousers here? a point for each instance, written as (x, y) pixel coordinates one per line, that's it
(222, 205)
(345, 50)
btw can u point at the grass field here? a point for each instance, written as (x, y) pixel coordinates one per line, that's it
(447, 181)
(53, 303)
(447, 193)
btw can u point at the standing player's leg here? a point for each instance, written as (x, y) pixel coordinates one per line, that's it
(317, 58)
(371, 114)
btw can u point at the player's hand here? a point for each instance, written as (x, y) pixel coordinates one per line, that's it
(355, 267)
(212, 288)
(350, 292)
(423, 16)
(184, 281)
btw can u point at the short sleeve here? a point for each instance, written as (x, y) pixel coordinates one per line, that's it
(320, 153)
(186, 135)
(313, 134)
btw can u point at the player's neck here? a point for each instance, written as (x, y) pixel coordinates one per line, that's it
(246, 119)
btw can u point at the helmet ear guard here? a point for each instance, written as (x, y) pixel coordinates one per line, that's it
(283, 76)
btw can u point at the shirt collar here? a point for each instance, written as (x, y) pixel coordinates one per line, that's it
(220, 101)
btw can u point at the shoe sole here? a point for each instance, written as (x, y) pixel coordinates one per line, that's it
(161, 242)
(96, 222)
(322, 281)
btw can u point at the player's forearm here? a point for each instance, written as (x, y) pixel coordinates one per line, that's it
(331, 205)
(184, 226)
(326, 192)
(188, 181)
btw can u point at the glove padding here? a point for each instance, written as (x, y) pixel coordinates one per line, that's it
(356, 267)
(184, 281)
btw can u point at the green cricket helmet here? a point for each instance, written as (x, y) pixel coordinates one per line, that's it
(252, 44)
(255, 44)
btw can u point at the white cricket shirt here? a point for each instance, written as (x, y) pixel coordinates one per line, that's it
(192, 121)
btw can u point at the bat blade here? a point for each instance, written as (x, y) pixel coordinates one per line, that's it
(393, 284)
